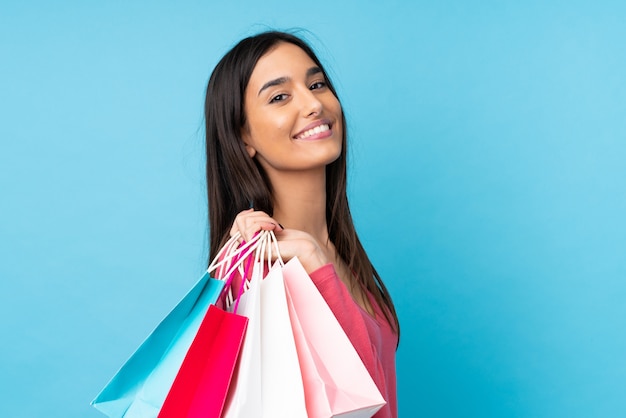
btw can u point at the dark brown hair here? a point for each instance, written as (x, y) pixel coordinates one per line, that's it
(236, 182)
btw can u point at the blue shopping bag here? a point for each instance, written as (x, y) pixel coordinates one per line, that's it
(140, 387)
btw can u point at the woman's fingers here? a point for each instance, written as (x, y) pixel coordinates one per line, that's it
(291, 242)
(249, 222)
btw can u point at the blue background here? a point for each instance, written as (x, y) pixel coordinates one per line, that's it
(487, 181)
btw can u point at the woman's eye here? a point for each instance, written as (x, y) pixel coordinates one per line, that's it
(318, 85)
(278, 98)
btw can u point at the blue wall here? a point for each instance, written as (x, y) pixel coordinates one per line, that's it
(487, 181)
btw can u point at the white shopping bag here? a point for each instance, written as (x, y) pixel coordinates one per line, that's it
(267, 382)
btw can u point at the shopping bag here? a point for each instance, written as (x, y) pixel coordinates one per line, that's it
(283, 390)
(202, 382)
(336, 383)
(139, 388)
(244, 398)
(268, 382)
(201, 385)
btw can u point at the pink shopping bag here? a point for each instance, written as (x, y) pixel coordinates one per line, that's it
(336, 382)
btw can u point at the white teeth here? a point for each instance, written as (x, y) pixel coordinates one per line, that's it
(313, 131)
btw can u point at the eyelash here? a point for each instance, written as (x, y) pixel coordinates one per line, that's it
(276, 98)
(281, 97)
(321, 84)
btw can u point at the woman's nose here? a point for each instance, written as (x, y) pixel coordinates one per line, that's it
(311, 104)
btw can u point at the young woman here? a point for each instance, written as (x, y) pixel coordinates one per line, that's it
(276, 160)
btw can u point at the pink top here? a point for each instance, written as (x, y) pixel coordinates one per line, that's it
(373, 338)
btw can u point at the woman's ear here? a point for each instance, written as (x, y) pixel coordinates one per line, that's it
(245, 136)
(251, 151)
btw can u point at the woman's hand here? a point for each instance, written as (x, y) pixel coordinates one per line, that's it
(291, 242)
(249, 222)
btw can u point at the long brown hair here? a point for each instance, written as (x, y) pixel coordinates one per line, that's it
(236, 182)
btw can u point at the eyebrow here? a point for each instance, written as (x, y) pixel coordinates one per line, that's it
(282, 80)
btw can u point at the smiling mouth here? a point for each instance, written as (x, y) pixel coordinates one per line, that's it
(310, 132)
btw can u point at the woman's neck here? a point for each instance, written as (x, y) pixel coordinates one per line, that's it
(300, 202)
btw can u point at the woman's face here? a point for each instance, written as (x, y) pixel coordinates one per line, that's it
(293, 120)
